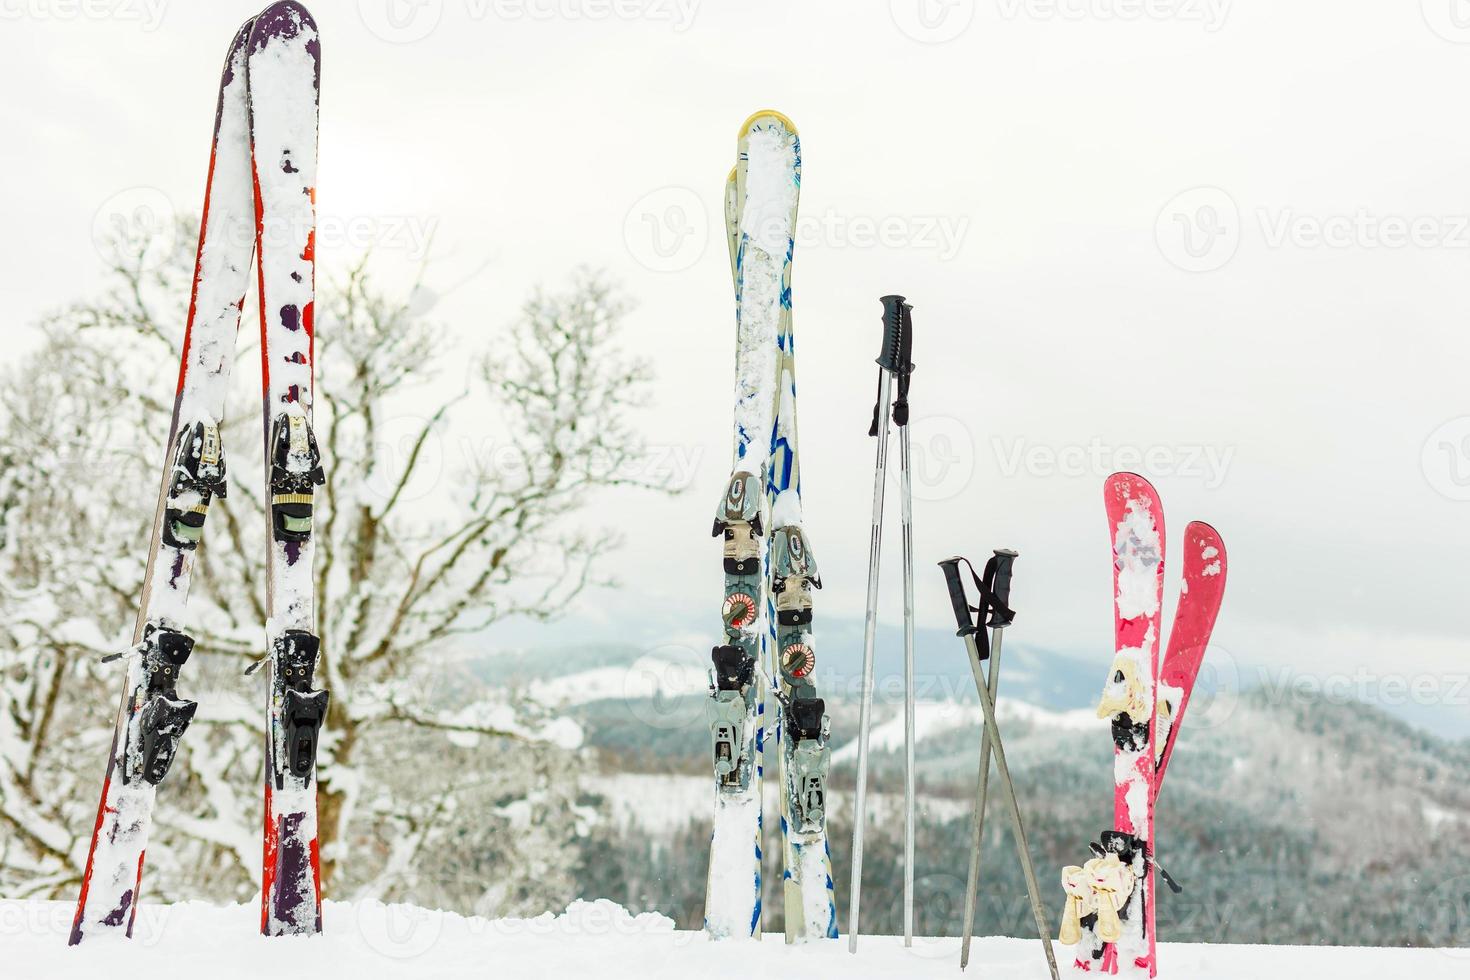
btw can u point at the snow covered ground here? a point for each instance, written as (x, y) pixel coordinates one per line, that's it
(368, 941)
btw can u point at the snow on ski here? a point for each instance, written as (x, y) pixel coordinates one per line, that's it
(152, 717)
(769, 573)
(284, 69)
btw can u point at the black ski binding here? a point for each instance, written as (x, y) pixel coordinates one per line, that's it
(733, 668)
(163, 716)
(302, 710)
(296, 470)
(808, 762)
(198, 469)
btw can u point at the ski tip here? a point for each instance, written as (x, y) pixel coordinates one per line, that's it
(1206, 545)
(285, 19)
(1127, 485)
(755, 118)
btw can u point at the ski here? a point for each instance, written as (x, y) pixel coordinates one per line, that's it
(1205, 567)
(152, 716)
(770, 573)
(1110, 907)
(284, 73)
(1111, 914)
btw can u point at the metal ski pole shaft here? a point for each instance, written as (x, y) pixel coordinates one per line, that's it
(968, 630)
(865, 711)
(977, 836)
(906, 494)
(888, 366)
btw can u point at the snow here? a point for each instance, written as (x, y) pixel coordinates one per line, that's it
(734, 878)
(933, 718)
(647, 677)
(1140, 551)
(372, 941)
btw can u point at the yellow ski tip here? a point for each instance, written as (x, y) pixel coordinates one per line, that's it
(731, 179)
(784, 119)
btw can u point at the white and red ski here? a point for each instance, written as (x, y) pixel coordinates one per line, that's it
(259, 200)
(285, 71)
(152, 717)
(1110, 914)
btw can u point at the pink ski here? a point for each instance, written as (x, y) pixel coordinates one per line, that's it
(1205, 568)
(1130, 698)
(1110, 913)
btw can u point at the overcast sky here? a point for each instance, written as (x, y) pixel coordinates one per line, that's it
(1227, 244)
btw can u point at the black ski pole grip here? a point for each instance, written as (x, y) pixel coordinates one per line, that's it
(891, 359)
(1004, 559)
(957, 600)
(906, 339)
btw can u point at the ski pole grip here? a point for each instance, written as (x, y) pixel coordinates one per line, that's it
(906, 339)
(1004, 559)
(957, 600)
(895, 321)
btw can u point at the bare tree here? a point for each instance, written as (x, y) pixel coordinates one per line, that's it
(456, 495)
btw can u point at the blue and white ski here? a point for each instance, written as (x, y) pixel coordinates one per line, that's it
(770, 573)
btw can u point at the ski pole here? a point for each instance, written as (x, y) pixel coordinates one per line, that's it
(968, 630)
(906, 501)
(888, 366)
(998, 595)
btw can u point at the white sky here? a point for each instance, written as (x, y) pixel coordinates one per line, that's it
(1050, 141)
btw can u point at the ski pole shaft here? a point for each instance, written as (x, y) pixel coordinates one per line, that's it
(870, 632)
(906, 501)
(1008, 790)
(977, 836)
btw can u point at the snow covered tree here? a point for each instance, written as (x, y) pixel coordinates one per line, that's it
(442, 515)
